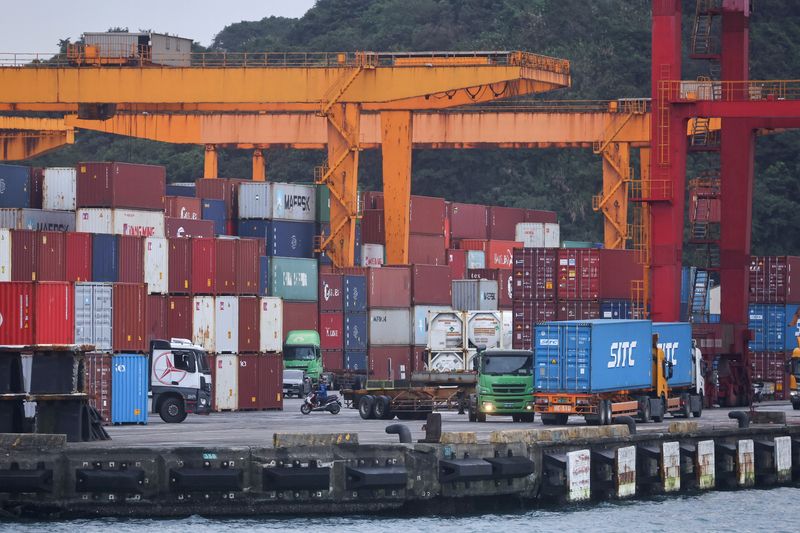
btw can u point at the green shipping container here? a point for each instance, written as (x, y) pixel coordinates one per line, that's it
(294, 280)
(323, 203)
(577, 244)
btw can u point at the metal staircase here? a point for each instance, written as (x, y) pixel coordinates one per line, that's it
(704, 215)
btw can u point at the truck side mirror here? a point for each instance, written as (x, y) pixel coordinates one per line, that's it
(475, 363)
(670, 369)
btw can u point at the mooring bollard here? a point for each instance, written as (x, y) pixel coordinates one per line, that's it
(401, 430)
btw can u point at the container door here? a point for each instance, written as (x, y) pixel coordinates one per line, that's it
(103, 316)
(84, 301)
(548, 358)
(129, 389)
(203, 322)
(225, 382)
(576, 343)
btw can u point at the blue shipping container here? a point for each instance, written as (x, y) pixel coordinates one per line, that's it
(616, 309)
(591, 356)
(355, 293)
(15, 183)
(129, 378)
(355, 360)
(323, 230)
(355, 331)
(181, 189)
(263, 275)
(675, 339)
(214, 210)
(105, 263)
(291, 239)
(774, 327)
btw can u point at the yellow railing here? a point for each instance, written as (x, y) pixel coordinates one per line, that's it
(754, 90)
(658, 190)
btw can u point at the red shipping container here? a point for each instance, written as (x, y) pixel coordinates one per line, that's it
(372, 229)
(705, 209)
(419, 358)
(249, 332)
(120, 185)
(389, 287)
(468, 221)
(389, 362)
(130, 318)
(775, 279)
(768, 366)
(36, 313)
(525, 316)
(457, 261)
(23, 255)
(713, 339)
(51, 256)
(156, 317)
(331, 293)
(97, 377)
(204, 266)
(503, 222)
(369, 199)
(499, 254)
(431, 285)
(78, 256)
(504, 279)
(183, 207)
(426, 250)
(299, 315)
(247, 266)
(592, 274)
(331, 331)
(37, 187)
(534, 271)
(535, 215)
(180, 266)
(226, 268)
(226, 190)
(426, 214)
(332, 360)
(179, 317)
(270, 381)
(183, 227)
(578, 310)
(249, 397)
(130, 253)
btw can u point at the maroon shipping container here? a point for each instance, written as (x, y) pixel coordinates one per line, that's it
(505, 283)
(120, 185)
(768, 366)
(775, 279)
(249, 398)
(183, 207)
(270, 381)
(226, 190)
(331, 331)
(525, 316)
(431, 285)
(389, 362)
(369, 199)
(331, 293)
(592, 274)
(535, 215)
(389, 287)
(248, 324)
(37, 313)
(179, 317)
(78, 256)
(23, 255)
(372, 230)
(97, 379)
(426, 250)
(499, 254)
(130, 318)
(204, 266)
(36, 188)
(457, 261)
(578, 310)
(130, 256)
(468, 221)
(156, 317)
(51, 256)
(226, 269)
(713, 339)
(502, 222)
(180, 266)
(247, 266)
(419, 358)
(534, 274)
(426, 214)
(299, 315)
(332, 360)
(183, 227)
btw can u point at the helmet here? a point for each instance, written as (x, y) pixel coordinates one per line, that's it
(323, 379)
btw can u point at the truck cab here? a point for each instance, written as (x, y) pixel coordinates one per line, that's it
(301, 351)
(505, 385)
(793, 369)
(180, 379)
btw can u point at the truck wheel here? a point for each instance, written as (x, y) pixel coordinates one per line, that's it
(382, 408)
(686, 408)
(562, 419)
(480, 417)
(644, 411)
(365, 407)
(549, 420)
(602, 412)
(699, 412)
(528, 418)
(172, 411)
(660, 417)
(796, 406)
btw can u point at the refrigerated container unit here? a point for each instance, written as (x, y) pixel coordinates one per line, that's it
(37, 219)
(16, 182)
(475, 259)
(120, 221)
(225, 382)
(94, 315)
(59, 189)
(474, 294)
(291, 201)
(129, 385)
(120, 185)
(270, 324)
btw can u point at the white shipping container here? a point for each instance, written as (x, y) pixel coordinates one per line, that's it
(445, 331)
(475, 294)
(203, 329)
(419, 326)
(552, 235)
(293, 202)
(476, 259)
(226, 382)
(530, 234)
(120, 221)
(37, 219)
(5, 254)
(255, 200)
(271, 324)
(484, 329)
(389, 327)
(372, 255)
(156, 265)
(226, 323)
(94, 314)
(508, 329)
(58, 189)
(448, 361)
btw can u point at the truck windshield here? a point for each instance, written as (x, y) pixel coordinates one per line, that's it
(495, 365)
(794, 363)
(299, 353)
(202, 363)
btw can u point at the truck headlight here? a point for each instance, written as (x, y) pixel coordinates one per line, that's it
(202, 401)
(529, 407)
(794, 393)
(488, 407)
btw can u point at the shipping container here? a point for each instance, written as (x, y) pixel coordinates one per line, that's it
(774, 327)
(204, 266)
(498, 254)
(675, 339)
(355, 293)
(535, 215)
(292, 201)
(331, 331)
(37, 219)
(5, 254)
(291, 239)
(505, 283)
(120, 222)
(37, 313)
(179, 268)
(226, 267)
(446, 330)
(121, 185)
(768, 366)
(593, 356)
(475, 259)
(247, 383)
(247, 266)
(331, 292)
(372, 255)
(270, 382)
(299, 316)
(355, 360)
(270, 325)
(508, 328)
(15, 181)
(474, 295)
(94, 315)
(538, 235)
(713, 339)
(525, 316)
(390, 327)
(184, 227)
(457, 261)
(294, 279)
(427, 214)
(156, 264)
(431, 285)
(181, 189)
(263, 275)
(484, 329)
(255, 200)
(226, 324)
(502, 222)
(97, 377)
(249, 314)
(131, 259)
(389, 287)
(468, 221)
(179, 317)
(355, 331)
(389, 362)
(225, 382)
(578, 310)
(215, 211)
(226, 190)
(130, 318)
(535, 272)
(332, 360)
(323, 203)
(373, 230)
(129, 385)
(36, 187)
(58, 189)
(419, 326)
(156, 317)
(592, 274)
(77, 256)
(184, 208)
(51, 255)
(24, 245)
(775, 279)
(203, 328)
(427, 250)
(419, 359)
(617, 309)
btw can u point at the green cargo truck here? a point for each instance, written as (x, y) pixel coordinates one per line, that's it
(301, 351)
(505, 385)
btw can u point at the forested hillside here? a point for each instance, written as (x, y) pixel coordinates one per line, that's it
(608, 43)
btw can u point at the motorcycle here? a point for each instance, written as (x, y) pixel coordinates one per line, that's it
(332, 404)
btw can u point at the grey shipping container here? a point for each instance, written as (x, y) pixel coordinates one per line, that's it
(94, 314)
(254, 200)
(475, 295)
(37, 219)
(390, 327)
(293, 279)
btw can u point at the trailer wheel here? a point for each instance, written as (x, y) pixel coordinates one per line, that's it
(562, 419)
(608, 414)
(480, 417)
(549, 420)
(699, 412)
(382, 408)
(172, 411)
(528, 418)
(660, 417)
(686, 405)
(644, 410)
(365, 407)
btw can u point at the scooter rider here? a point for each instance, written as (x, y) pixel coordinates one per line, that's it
(322, 391)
